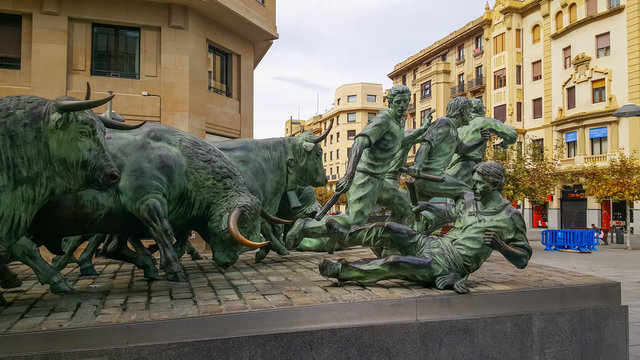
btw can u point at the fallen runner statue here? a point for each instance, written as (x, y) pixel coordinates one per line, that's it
(483, 221)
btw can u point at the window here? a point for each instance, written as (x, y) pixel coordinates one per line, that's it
(599, 93)
(519, 111)
(414, 123)
(371, 98)
(478, 44)
(603, 45)
(338, 101)
(348, 153)
(535, 34)
(572, 140)
(478, 74)
(425, 90)
(537, 108)
(598, 137)
(423, 115)
(443, 58)
(115, 51)
(351, 134)
(337, 168)
(338, 137)
(500, 112)
(337, 157)
(352, 98)
(325, 156)
(330, 155)
(498, 44)
(500, 79)
(518, 74)
(518, 38)
(460, 53)
(404, 79)
(338, 120)
(559, 24)
(460, 81)
(536, 70)
(599, 146)
(331, 139)
(566, 55)
(261, 1)
(613, 3)
(351, 117)
(537, 146)
(415, 73)
(571, 97)
(10, 41)
(573, 13)
(592, 7)
(370, 116)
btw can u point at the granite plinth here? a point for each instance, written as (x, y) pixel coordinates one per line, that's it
(283, 308)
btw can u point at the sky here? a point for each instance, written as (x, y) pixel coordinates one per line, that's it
(324, 44)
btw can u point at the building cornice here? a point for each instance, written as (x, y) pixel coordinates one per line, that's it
(440, 46)
(588, 20)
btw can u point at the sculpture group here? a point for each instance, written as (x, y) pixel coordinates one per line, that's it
(68, 176)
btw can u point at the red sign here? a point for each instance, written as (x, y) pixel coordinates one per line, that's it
(577, 196)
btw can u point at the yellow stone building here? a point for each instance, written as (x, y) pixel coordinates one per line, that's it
(187, 64)
(553, 69)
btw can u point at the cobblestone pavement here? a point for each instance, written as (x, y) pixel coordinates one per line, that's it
(612, 262)
(119, 294)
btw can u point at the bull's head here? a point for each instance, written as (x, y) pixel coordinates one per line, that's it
(77, 146)
(304, 161)
(239, 228)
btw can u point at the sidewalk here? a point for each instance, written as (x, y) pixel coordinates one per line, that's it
(612, 262)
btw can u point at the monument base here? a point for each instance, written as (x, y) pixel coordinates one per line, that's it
(283, 309)
(570, 322)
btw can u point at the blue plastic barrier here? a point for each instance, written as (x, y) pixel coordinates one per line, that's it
(578, 240)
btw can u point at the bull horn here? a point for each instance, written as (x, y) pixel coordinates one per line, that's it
(87, 95)
(117, 125)
(323, 136)
(232, 225)
(79, 105)
(274, 219)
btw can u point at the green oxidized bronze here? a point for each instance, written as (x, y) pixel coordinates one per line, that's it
(483, 221)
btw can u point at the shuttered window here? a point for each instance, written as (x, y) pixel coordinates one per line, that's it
(599, 91)
(571, 97)
(536, 70)
(537, 108)
(10, 41)
(603, 45)
(500, 112)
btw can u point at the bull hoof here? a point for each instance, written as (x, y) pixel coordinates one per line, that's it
(60, 287)
(10, 280)
(176, 277)
(88, 271)
(152, 274)
(262, 253)
(196, 256)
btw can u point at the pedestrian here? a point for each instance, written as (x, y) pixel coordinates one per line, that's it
(600, 234)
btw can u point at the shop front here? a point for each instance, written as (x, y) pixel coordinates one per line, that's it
(573, 208)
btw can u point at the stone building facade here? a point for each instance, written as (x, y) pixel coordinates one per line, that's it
(553, 69)
(187, 64)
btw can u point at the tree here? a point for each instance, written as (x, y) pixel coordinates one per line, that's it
(619, 180)
(323, 194)
(531, 173)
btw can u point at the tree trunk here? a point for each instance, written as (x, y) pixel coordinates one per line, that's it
(629, 225)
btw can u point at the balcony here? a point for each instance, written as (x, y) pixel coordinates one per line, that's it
(334, 177)
(457, 90)
(568, 161)
(411, 108)
(476, 84)
(594, 159)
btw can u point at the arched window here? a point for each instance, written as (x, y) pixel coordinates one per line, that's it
(573, 13)
(559, 23)
(535, 33)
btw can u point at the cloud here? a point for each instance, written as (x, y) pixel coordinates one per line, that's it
(328, 43)
(302, 83)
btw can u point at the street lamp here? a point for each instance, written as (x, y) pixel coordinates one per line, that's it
(144, 93)
(291, 122)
